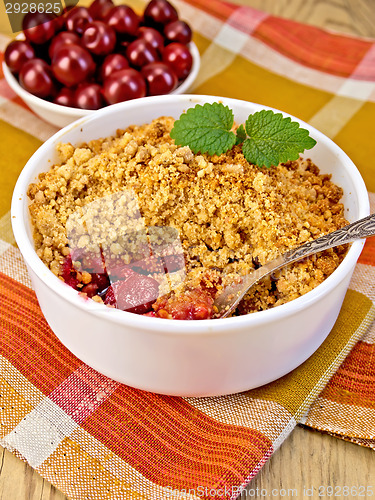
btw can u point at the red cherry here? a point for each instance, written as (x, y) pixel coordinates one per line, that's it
(180, 59)
(89, 96)
(77, 19)
(62, 38)
(98, 285)
(140, 53)
(17, 53)
(36, 77)
(99, 38)
(69, 274)
(124, 85)
(59, 22)
(101, 280)
(38, 27)
(152, 36)
(160, 78)
(65, 97)
(159, 13)
(178, 31)
(135, 294)
(100, 8)
(123, 20)
(72, 64)
(112, 63)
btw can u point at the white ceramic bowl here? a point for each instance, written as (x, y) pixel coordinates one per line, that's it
(60, 116)
(187, 358)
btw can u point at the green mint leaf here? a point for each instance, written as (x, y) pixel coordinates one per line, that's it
(240, 134)
(274, 139)
(205, 129)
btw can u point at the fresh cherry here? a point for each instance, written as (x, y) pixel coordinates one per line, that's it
(72, 64)
(179, 57)
(36, 77)
(160, 78)
(65, 97)
(17, 53)
(89, 96)
(124, 85)
(77, 19)
(111, 64)
(152, 36)
(99, 38)
(123, 20)
(62, 38)
(159, 13)
(178, 31)
(100, 8)
(140, 53)
(38, 27)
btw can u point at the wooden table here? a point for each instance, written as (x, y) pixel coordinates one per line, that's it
(307, 459)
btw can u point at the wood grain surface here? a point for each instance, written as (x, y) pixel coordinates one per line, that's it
(354, 17)
(307, 460)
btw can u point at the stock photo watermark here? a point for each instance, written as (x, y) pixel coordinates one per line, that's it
(17, 10)
(322, 491)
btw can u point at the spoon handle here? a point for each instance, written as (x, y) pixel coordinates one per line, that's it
(357, 230)
(233, 294)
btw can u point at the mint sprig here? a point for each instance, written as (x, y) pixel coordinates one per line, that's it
(267, 138)
(205, 129)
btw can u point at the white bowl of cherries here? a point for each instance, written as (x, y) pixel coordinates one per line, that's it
(65, 67)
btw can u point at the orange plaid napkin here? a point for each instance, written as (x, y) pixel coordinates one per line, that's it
(96, 439)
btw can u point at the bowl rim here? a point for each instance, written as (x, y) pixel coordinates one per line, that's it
(78, 112)
(167, 326)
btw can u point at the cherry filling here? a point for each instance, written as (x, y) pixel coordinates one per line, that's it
(98, 284)
(196, 303)
(135, 294)
(69, 274)
(131, 288)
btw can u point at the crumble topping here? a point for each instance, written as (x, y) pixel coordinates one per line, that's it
(231, 216)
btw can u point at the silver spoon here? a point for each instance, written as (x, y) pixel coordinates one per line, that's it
(228, 300)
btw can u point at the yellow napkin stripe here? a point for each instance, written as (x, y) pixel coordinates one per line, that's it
(296, 390)
(14, 153)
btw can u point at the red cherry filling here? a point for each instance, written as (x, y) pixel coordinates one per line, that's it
(138, 293)
(135, 294)
(191, 305)
(69, 274)
(98, 284)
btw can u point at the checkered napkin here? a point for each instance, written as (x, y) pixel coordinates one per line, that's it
(96, 439)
